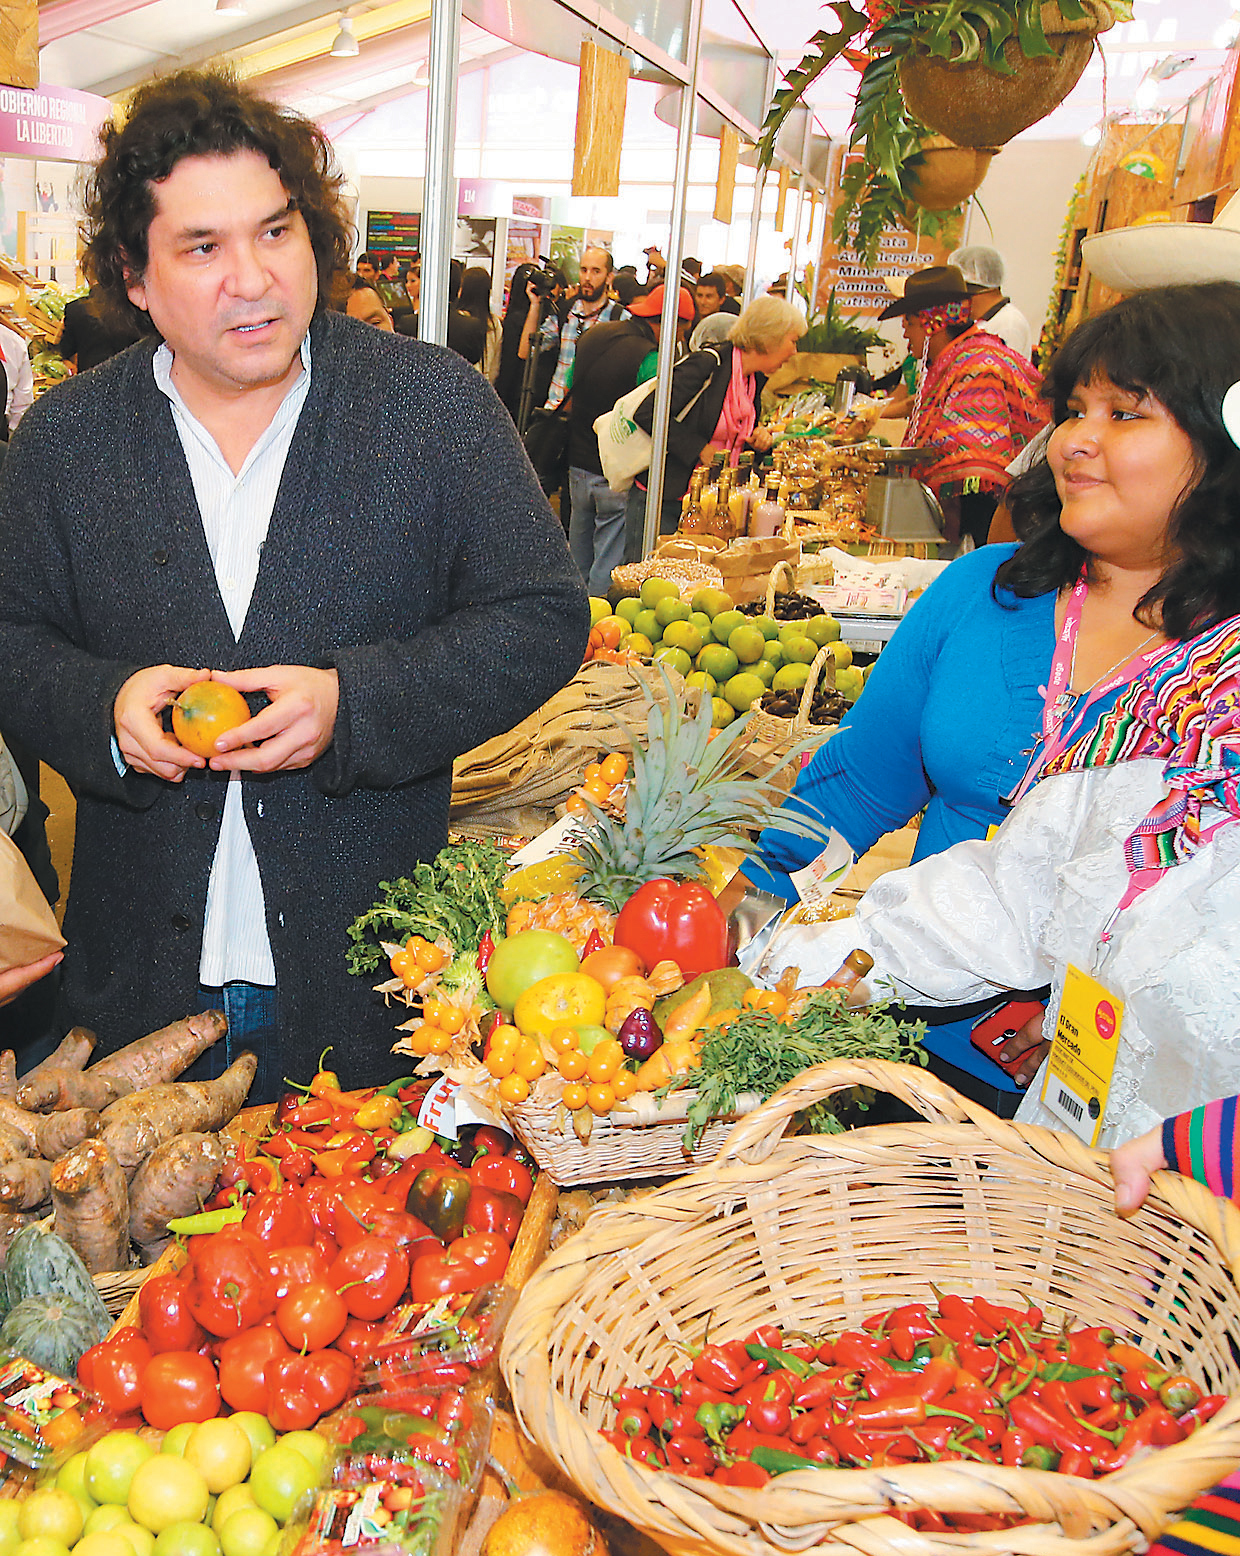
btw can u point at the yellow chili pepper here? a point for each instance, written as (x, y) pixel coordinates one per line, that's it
(378, 1113)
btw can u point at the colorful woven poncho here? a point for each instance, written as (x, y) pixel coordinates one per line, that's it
(979, 407)
(1185, 709)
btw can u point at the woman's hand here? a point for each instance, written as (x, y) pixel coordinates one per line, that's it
(1132, 1166)
(761, 438)
(1029, 1047)
(17, 979)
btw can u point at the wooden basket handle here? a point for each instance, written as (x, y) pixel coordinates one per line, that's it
(801, 723)
(786, 569)
(756, 1136)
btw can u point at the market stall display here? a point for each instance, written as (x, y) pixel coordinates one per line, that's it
(1020, 1218)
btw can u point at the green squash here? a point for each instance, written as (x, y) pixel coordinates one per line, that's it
(52, 1332)
(40, 1264)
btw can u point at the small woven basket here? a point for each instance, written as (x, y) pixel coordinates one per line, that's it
(771, 728)
(688, 574)
(818, 1231)
(626, 1143)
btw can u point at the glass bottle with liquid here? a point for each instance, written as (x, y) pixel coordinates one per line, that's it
(855, 966)
(767, 517)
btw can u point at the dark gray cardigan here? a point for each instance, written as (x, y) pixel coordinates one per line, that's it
(410, 548)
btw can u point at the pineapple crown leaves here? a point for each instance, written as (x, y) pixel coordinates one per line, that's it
(688, 790)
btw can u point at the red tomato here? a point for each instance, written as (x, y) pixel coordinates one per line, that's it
(356, 1210)
(678, 921)
(279, 1219)
(371, 1275)
(243, 1366)
(290, 1407)
(466, 1264)
(311, 1317)
(163, 1308)
(112, 1370)
(294, 1266)
(328, 1379)
(179, 1386)
(403, 1229)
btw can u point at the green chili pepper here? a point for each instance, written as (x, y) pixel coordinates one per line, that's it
(717, 1420)
(207, 1221)
(778, 1461)
(780, 1359)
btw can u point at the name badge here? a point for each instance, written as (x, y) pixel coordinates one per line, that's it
(825, 874)
(1083, 1053)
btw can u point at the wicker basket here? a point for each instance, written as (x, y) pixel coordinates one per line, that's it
(637, 1141)
(789, 732)
(816, 1232)
(688, 574)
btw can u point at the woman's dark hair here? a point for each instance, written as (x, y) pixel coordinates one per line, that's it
(475, 295)
(1181, 346)
(204, 113)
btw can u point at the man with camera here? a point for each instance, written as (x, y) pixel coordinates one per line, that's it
(567, 323)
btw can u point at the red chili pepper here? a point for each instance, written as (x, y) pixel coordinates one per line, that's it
(820, 1451)
(1138, 1383)
(779, 1386)
(743, 1473)
(1075, 1462)
(768, 1335)
(1200, 1414)
(1013, 1445)
(486, 948)
(855, 1349)
(936, 1379)
(881, 1381)
(723, 1367)
(1094, 1393)
(849, 1443)
(689, 1454)
(810, 1423)
(1179, 1394)
(903, 1344)
(822, 1387)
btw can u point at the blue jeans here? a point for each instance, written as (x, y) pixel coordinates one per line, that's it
(251, 1012)
(596, 528)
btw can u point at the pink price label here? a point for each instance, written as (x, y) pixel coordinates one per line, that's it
(1104, 1019)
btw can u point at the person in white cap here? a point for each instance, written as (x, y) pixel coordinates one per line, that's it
(984, 270)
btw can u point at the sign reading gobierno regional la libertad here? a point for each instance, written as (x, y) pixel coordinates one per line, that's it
(51, 121)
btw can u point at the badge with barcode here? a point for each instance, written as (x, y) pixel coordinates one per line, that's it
(1083, 1053)
(825, 874)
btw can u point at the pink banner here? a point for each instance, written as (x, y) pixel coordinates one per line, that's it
(51, 121)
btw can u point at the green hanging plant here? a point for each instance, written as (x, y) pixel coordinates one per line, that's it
(876, 188)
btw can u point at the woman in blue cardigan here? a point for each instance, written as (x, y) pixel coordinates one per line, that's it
(1128, 542)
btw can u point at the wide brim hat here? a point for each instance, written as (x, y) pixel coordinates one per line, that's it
(1133, 259)
(929, 288)
(651, 305)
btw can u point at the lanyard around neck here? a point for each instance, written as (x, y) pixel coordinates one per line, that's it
(1060, 722)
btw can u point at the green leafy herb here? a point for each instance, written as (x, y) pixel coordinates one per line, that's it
(456, 896)
(759, 1053)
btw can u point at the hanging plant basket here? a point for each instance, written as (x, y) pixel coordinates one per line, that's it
(944, 174)
(976, 106)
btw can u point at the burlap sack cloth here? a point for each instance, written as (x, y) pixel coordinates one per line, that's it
(505, 783)
(27, 925)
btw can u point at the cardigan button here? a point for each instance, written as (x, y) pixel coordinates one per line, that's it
(204, 810)
(160, 556)
(180, 922)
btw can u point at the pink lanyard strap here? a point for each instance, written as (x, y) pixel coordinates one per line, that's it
(1058, 731)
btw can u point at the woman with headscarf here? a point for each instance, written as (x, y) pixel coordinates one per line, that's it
(977, 401)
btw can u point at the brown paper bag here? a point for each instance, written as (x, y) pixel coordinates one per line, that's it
(27, 924)
(745, 566)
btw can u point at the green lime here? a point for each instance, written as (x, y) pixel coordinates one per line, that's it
(791, 678)
(725, 624)
(175, 1439)
(311, 1445)
(683, 634)
(671, 609)
(673, 658)
(767, 625)
(717, 659)
(187, 1539)
(721, 713)
(707, 683)
(247, 1532)
(111, 1464)
(743, 689)
(628, 607)
(747, 644)
(649, 625)
(280, 1479)
(799, 651)
(656, 589)
(774, 651)
(764, 670)
(256, 1427)
(821, 629)
(701, 621)
(842, 654)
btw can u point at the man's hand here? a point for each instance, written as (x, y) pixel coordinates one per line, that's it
(295, 727)
(16, 979)
(1131, 1167)
(761, 438)
(1029, 1047)
(144, 743)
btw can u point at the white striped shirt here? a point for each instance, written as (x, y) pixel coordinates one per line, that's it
(236, 511)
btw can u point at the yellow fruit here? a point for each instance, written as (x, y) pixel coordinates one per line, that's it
(104, 1542)
(230, 1502)
(111, 1464)
(247, 1532)
(142, 1540)
(10, 1535)
(168, 1490)
(564, 999)
(221, 1450)
(109, 1516)
(535, 881)
(639, 643)
(598, 609)
(51, 1515)
(205, 711)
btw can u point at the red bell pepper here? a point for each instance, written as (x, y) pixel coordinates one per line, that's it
(678, 921)
(232, 1288)
(504, 1174)
(491, 1210)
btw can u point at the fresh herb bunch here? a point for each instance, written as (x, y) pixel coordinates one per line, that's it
(835, 331)
(758, 1052)
(456, 896)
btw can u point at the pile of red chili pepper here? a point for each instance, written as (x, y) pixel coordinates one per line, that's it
(284, 1294)
(968, 1379)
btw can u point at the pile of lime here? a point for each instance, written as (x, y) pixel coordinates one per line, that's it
(224, 1487)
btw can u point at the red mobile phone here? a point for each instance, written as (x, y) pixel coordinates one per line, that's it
(992, 1031)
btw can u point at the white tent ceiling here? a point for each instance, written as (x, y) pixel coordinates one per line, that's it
(108, 46)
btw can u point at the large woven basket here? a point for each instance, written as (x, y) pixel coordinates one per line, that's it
(815, 1232)
(631, 1142)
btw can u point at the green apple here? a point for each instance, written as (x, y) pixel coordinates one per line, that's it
(718, 660)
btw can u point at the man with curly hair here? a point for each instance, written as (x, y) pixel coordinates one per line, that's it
(218, 502)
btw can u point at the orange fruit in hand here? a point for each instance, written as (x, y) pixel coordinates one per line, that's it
(205, 711)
